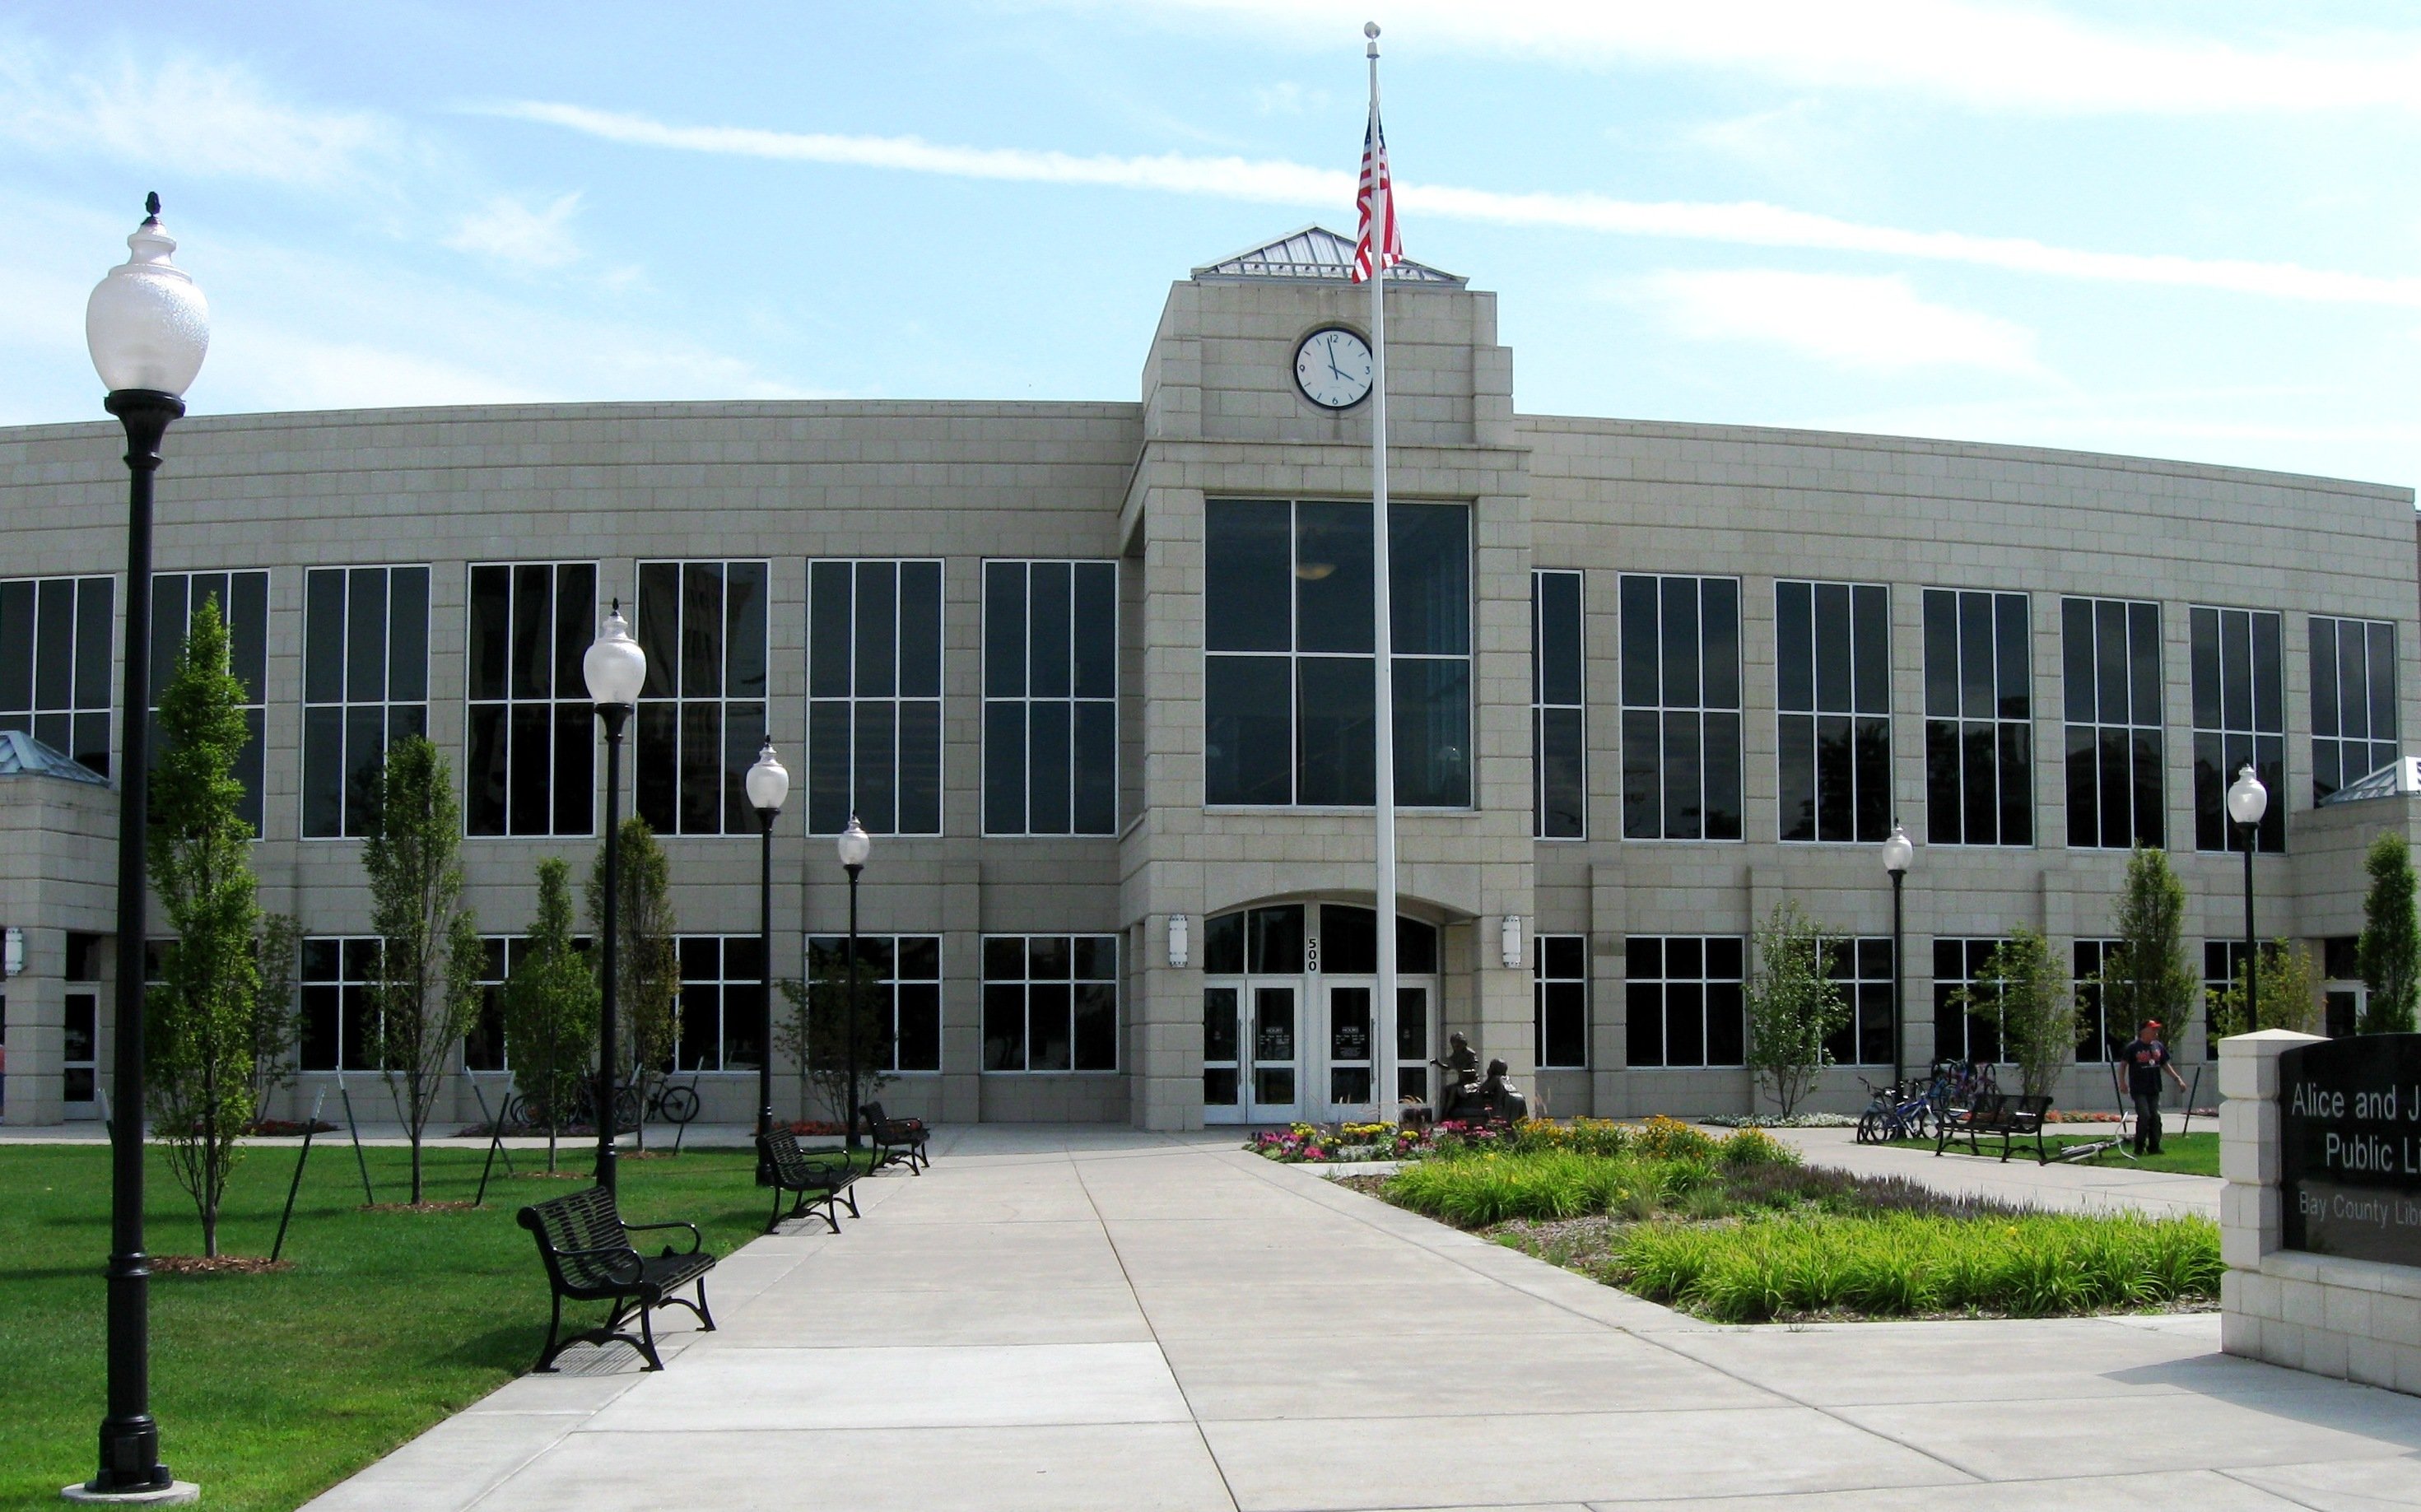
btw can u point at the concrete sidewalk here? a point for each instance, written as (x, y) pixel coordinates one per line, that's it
(1072, 1318)
(2019, 1179)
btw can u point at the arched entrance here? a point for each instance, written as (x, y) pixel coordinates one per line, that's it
(1292, 1027)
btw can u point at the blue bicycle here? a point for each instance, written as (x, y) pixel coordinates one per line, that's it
(1893, 1112)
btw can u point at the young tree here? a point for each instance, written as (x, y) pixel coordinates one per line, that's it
(1793, 1005)
(2390, 952)
(2150, 975)
(551, 1003)
(648, 994)
(276, 1023)
(2030, 993)
(431, 957)
(198, 1064)
(814, 1033)
(2290, 996)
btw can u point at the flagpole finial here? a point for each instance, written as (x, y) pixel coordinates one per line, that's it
(1371, 29)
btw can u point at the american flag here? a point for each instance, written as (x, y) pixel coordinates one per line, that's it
(1376, 185)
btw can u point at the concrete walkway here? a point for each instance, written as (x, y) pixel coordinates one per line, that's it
(1092, 1319)
(2019, 1179)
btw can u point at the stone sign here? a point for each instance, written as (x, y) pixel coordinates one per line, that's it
(2349, 1148)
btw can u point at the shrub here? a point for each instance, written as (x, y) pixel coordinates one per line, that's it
(1752, 1147)
(1661, 1138)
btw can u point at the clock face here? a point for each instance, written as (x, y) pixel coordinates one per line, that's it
(1333, 369)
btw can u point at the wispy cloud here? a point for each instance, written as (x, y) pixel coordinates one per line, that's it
(1981, 56)
(512, 230)
(1870, 324)
(1264, 181)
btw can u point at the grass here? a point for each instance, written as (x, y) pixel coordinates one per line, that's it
(2194, 1154)
(271, 1387)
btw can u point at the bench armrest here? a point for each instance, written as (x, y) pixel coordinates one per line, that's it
(695, 1239)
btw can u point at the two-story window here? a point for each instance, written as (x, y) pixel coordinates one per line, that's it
(2239, 716)
(1831, 677)
(55, 655)
(1681, 708)
(2353, 701)
(874, 697)
(243, 599)
(364, 686)
(2111, 650)
(1979, 774)
(1051, 698)
(1289, 680)
(702, 716)
(1558, 709)
(530, 763)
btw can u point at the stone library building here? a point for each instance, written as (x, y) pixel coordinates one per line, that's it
(1099, 680)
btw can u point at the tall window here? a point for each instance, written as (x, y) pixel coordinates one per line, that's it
(874, 691)
(2112, 649)
(1289, 687)
(243, 599)
(2222, 962)
(1965, 1032)
(1681, 708)
(364, 686)
(1050, 697)
(1979, 755)
(54, 656)
(531, 764)
(340, 1017)
(483, 1046)
(2240, 715)
(702, 709)
(900, 977)
(2098, 1038)
(2353, 701)
(1560, 1013)
(1558, 709)
(1683, 997)
(1863, 969)
(1832, 644)
(1051, 1003)
(722, 1002)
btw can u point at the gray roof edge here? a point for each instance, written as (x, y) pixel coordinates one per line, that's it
(22, 756)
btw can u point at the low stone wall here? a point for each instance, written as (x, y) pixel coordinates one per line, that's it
(2354, 1319)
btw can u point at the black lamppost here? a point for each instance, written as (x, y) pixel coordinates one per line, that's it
(615, 669)
(768, 784)
(2247, 801)
(854, 846)
(148, 328)
(1900, 853)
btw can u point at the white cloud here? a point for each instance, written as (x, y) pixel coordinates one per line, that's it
(1870, 325)
(510, 230)
(2023, 58)
(1741, 224)
(1288, 98)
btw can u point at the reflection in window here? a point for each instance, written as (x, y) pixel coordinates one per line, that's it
(1558, 709)
(364, 686)
(1683, 1002)
(1050, 697)
(1560, 1010)
(722, 1021)
(530, 766)
(1972, 1032)
(1979, 779)
(2354, 702)
(1051, 1003)
(1290, 682)
(1863, 967)
(1681, 708)
(243, 599)
(899, 979)
(1832, 709)
(702, 711)
(2110, 650)
(2239, 716)
(874, 697)
(54, 663)
(2097, 1038)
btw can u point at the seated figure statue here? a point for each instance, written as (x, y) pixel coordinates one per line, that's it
(1490, 1099)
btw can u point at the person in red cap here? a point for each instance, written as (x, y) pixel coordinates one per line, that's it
(2147, 1058)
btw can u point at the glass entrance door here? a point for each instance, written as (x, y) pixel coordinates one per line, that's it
(79, 1062)
(1222, 1055)
(1348, 1044)
(1415, 1042)
(1275, 1088)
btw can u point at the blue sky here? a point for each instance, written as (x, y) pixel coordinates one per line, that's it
(2169, 228)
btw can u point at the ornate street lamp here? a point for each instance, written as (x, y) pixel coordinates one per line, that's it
(615, 669)
(148, 328)
(768, 784)
(854, 846)
(1900, 853)
(2247, 801)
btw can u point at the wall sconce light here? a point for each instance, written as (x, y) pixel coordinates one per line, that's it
(12, 952)
(1180, 942)
(1511, 944)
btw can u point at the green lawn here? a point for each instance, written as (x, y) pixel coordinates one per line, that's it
(2194, 1154)
(270, 1388)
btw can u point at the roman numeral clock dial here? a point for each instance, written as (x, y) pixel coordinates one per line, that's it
(1332, 367)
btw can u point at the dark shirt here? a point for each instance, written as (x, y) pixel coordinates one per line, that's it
(2144, 1058)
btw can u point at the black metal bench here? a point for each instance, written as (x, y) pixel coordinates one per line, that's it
(896, 1141)
(588, 1256)
(818, 1183)
(2010, 1114)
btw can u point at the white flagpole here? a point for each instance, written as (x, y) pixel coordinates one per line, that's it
(1382, 1018)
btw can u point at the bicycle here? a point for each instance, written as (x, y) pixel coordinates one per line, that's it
(667, 1103)
(1891, 1113)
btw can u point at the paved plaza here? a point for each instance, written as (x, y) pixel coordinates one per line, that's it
(1067, 1319)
